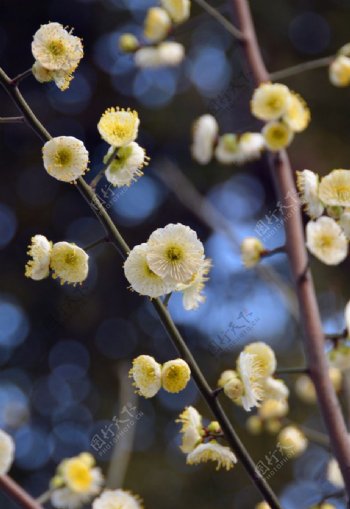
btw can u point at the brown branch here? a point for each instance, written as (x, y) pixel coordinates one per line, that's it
(310, 315)
(15, 492)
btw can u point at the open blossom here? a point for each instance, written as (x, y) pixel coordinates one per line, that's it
(117, 499)
(308, 186)
(278, 135)
(56, 49)
(118, 126)
(146, 372)
(297, 116)
(127, 166)
(62, 79)
(69, 263)
(273, 409)
(251, 251)
(233, 149)
(275, 389)
(40, 251)
(175, 252)
(326, 240)
(270, 101)
(212, 451)
(141, 278)
(7, 452)
(179, 10)
(334, 188)
(191, 430)
(175, 375)
(251, 374)
(292, 441)
(334, 474)
(157, 24)
(205, 132)
(192, 291)
(65, 158)
(76, 482)
(264, 355)
(339, 71)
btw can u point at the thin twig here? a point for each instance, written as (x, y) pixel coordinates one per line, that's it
(206, 212)
(167, 299)
(14, 491)
(16, 80)
(118, 241)
(220, 19)
(310, 315)
(299, 68)
(292, 371)
(45, 497)
(100, 174)
(97, 242)
(11, 120)
(272, 252)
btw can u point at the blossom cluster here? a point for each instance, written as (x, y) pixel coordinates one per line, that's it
(327, 203)
(200, 442)
(252, 381)
(57, 54)
(150, 376)
(172, 260)
(67, 261)
(160, 20)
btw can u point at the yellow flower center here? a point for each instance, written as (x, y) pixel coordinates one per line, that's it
(56, 48)
(274, 103)
(70, 259)
(78, 475)
(63, 157)
(174, 253)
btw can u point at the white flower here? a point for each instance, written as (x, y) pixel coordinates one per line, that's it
(347, 316)
(141, 278)
(250, 372)
(339, 71)
(326, 240)
(81, 481)
(179, 10)
(212, 451)
(292, 441)
(251, 251)
(275, 389)
(205, 132)
(334, 188)
(166, 54)
(297, 115)
(126, 166)
(251, 145)
(344, 222)
(175, 375)
(334, 474)
(69, 263)
(191, 430)
(308, 185)
(192, 292)
(278, 135)
(157, 24)
(7, 452)
(264, 355)
(118, 126)
(273, 409)
(65, 158)
(147, 375)
(175, 252)
(118, 499)
(61, 78)
(170, 53)
(40, 250)
(228, 150)
(270, 101)
(56, 49)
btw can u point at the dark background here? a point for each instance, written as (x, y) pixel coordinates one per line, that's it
(63, 351)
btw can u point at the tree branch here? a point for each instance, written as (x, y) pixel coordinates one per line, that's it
(220, 19)
(14, 491)
(310, 315)
(117, 240)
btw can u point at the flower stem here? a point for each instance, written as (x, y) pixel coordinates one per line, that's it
(220, 19)
(117, 240)
(11, 120)
(21, 77)
(271, 252)
(100, 174)
(167, 299)
(14, 491)
(299, 68)
(295, 241)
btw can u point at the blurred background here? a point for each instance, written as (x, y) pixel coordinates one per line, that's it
(65, 352)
